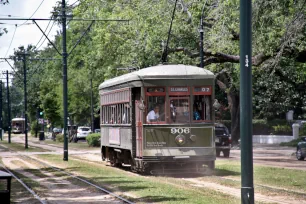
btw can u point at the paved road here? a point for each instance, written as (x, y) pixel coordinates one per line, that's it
(272, 155)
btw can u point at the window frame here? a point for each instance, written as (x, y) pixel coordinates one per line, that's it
(202, 93)
(147, 95)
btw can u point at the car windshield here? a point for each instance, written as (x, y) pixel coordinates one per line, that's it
(220, 131)
(84, 129)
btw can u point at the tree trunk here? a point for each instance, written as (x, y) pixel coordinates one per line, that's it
(234, 104)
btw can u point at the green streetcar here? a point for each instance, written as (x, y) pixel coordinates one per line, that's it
(159, 119)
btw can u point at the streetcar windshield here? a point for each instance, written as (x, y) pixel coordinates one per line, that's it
(179, 110)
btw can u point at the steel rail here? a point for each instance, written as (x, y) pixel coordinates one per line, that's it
(24, 185)
(78, 178)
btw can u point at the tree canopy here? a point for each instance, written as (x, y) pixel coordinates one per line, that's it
(279, 52)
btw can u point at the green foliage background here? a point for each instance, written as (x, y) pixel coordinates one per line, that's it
(278, 35)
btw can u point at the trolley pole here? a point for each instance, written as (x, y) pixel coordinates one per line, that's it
(65, 89)
(201, 30)
(1, 124)
(247, 186)
(8, 108)
(91, 106)
(25, 98)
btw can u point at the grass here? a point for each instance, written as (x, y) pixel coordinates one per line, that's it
(79, 145)
(20, 147)
(143, 189)
(264, 178)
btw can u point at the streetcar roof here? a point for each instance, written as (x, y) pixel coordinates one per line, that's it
(177, 71)
(17, 119)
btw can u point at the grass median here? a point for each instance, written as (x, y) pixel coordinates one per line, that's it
(140, 189)
(267, 180)
(20, 147)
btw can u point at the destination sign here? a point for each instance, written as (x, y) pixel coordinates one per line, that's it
(179, 89)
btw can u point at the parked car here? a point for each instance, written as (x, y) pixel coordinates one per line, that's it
(223, 140)
(82, 133)
(97, 130)
(301, 149)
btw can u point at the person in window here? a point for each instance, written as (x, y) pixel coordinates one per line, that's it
(153, 115)
(196, 114)
(173, 111)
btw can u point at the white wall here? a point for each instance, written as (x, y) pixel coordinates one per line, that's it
(271, 139)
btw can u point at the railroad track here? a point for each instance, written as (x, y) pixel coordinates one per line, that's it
(124, 169)
(119, 198)
(24, 185)
(260, 197)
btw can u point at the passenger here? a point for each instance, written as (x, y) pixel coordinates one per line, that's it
(153, 115)
(196, 114)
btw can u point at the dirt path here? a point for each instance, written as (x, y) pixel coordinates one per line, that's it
(55, 189)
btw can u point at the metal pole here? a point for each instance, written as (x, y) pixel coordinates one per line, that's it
(8, 107)
(1, 124)
(25, 99)
(91, 106)
(65, 89)
(202, 37)
(247, 186)
(37, 118)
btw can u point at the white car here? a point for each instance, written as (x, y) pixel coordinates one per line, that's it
(82, 132)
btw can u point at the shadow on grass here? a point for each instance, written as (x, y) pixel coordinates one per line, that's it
(155, 199)
(224, 172)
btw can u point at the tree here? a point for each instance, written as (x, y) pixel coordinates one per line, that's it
(279, 50)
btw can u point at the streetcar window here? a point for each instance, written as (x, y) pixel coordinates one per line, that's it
(156, 109)
(201, 107)
(116, 114)
(179, 110)
(126, 114)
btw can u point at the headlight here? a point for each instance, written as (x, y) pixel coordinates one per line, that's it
(180, 139)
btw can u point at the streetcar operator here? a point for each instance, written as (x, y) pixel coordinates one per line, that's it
(153, 115)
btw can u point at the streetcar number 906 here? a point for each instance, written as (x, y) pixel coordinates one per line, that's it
(180, 130)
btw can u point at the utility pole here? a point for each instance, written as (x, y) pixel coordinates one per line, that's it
(91, 105)
(65, 89)
(247, 186)
(1, 124)
(25, 98)
(37, 118)
(64, 55)
(8, 107)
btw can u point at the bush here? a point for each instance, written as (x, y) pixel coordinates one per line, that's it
(282, 129)
(303, 130)
(292, 143)
(94, 140)
(266, 127)
(34, 125)
(60, 138)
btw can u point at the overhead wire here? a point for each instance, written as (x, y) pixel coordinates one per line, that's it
(47, 35)
(33, 13)
(11, 42)
(44, 31)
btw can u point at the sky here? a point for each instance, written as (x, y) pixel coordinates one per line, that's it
(25, 34)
